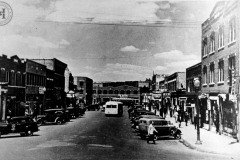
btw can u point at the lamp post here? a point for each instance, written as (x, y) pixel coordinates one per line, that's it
(196, 82)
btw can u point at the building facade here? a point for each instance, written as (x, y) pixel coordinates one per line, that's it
(35, 83)
(220, 66)
(126, 91)
(12, 86)
(192, 72)
(59, 68)
(84, 89)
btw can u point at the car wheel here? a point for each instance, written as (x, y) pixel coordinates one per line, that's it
(59, 122)
(178, 136)
(39, 122)
(171, 132)
(29, 133)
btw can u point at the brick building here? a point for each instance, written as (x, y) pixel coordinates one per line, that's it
(105, 91)
(12, 94)
(58, 67)
(35, 83)
(192, 72)
(84, 89)
(220, 66)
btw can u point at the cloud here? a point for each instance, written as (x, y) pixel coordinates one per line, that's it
(175, 61)
(64, 42)
(123, 72)
(108, 11)
(175, 55)
(129, 49)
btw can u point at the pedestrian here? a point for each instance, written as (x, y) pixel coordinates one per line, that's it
(186, 117)
(195, 121)
(129, 112)
(179, 118)
(151, 130)
(175, 115)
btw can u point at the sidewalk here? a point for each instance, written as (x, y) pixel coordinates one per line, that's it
(211, 142)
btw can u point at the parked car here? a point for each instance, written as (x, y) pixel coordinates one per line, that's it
(93, 107)
(23, 125)
(58, 116)
(164, 128)
(72, 112)
(136, 122)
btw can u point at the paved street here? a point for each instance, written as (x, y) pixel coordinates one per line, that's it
(94, 136)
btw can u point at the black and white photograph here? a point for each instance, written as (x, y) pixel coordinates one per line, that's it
(119, 79)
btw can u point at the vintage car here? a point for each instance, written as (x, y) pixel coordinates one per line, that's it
(23, 125)
(136, 122)
(165, 128)
(58, 116)
(93, 107)
(139, 113)
(72, 112)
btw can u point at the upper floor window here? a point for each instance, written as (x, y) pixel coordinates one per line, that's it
(211, 74)
(221, 71)
(221, 37)
(205, 75)
(212, 43)
(232, 30)
(204, 49)
(7, 76)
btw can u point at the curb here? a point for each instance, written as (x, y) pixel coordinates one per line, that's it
(187, 144)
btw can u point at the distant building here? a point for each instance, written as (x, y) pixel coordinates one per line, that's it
(156, 79)
(84, 89)
(105, 91)
(192, 72)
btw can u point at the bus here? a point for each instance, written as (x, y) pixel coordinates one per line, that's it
(114, 108)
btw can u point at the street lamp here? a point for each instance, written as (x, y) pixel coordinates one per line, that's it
(196, 82)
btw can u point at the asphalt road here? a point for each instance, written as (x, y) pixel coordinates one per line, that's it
(91, 137)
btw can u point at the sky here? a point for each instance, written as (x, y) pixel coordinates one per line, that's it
(108, 40)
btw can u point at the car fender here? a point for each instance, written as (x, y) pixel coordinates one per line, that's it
(58, 118)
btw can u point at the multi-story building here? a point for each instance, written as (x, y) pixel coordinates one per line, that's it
(191, 73)
(156, 79)
(176, 85)
(12, 86)
(127, 91)
(35, 82)
(220, 66)
(59, 68)
(84, 89)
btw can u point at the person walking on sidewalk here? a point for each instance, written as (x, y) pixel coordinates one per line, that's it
(186, 117)
(175, 115)
(151, 130)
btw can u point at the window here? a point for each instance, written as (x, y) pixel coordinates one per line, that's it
(122, 92)
(104, 91)
(221, 71)
(221, 37)
(232, 30)
(116, 92)
(7, 77)
(99, 92)
(212, 43)
(204, 49)
(231, 68)
(128, 91)
(211, 74)
(110, 92)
